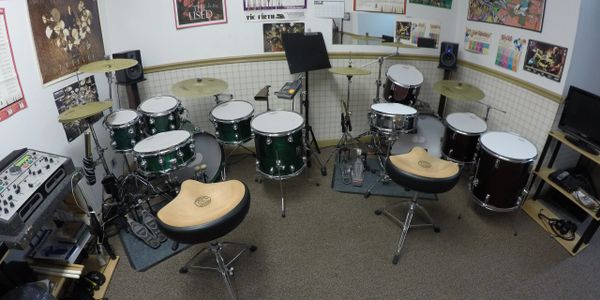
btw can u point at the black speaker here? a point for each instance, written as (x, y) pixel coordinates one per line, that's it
(133, 74)
(448, 56)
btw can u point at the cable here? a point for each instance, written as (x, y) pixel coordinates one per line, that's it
(559, 227)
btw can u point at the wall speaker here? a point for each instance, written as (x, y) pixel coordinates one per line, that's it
(448, 56)
(133, 74)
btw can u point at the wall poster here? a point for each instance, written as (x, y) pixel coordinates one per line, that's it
(384, 6)
(79, 92)
(437, 3)
(11, 92)
(271, 10)
(525, 14)
(545, 59)
(478, 41)
(509, 52)
(409, 30)
(191, 13)
(272, 34)
(67, 35)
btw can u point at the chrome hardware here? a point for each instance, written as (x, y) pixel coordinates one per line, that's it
(237, 136)
(172, 127)
(450, 152)
(269, 141)
(153, 130)
(130, 131)
(257, 163)
(132, 142)
(112, 133)
(292, 168)
(487, 198)
(475, 182)
(454, 135)
(278, 162)
(160, 160)
(171, 118)
(173, 161)
(304, 159)
(290, 139)
(272, 170)
(216, 125)
(151, 121)
(217, 133)
(143, 163)
(192, 146)
(235, 126)
(497, 163)
(114, 144)
(179, 153)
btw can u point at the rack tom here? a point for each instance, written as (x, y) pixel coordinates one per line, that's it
(164, 152)
(161, 114)
(461, 136)
(232, 121)
(124, 127)
(403, 84)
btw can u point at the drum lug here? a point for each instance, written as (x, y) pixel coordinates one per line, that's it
(497, 164)
(132, 142)
(268, 141)
(304, 159)
(171, 118)
(487, 198)
(172, 127)
(272, 170)
(216, 125)
(475, 182)
(179, 153)
(151, 121)
(130, 131)
(292, 168)
(278, 162)
(113, 144)
(290, 139)
(450, 152)
(523, 196)
(192, 146)
(237, 136)
(143, 163)
(173, 162)
(257, 163)
(153, 130)
(111, 133)
(217, 133)
(160, 160)
(235, 126)
(454, 135)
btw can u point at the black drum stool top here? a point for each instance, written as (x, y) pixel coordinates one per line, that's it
(422, 173)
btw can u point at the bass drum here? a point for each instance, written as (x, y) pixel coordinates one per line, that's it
(430, 131)
(212, 155)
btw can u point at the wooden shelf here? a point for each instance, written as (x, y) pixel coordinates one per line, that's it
(533, 208)
(561, 136)
(91, 264)
(544, 174)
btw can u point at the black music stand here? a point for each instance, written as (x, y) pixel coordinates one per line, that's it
(306, 52)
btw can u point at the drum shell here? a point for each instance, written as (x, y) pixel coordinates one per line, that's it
(166, 160)
(233, 132)
(157, 124)
(212, 156)
(393, 92)
(390, 123)
(125, 136)
(458, 146)
(287, 148)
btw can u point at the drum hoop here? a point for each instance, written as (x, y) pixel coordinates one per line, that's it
(161, 113)
(135, 120)
(491, 207)
(214, 119)
(278, 134)
(168, 150)
(446, 157)
(461, 131)
(404, 85)
(393, 115)
(282, 177)
(509, 159)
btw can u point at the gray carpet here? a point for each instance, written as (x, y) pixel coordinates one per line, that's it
(332, 246)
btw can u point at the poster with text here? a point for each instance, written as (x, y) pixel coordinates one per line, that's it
(383, 6)
(191, 13)
(11, 92)
(478, 41)
(274, 11)
(83, 91)
(526, 14)
(545, 59)
(409, 30)
(437, 3)
(67, 35)
(272, 34)
(509, 52)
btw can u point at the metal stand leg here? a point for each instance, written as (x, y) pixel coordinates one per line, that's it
(282, 199)
(383, 177)
(409, 216)
(513, 223)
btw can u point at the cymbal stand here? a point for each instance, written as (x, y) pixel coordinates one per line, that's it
(378, 82)
(99, 148)
(488, 109)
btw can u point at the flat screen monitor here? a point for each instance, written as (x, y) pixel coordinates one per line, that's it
(305, 52)
(580, 116)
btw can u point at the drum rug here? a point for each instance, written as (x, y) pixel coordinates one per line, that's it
(343, 183)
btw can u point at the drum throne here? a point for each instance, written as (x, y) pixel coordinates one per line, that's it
(421, 173)
(204, 212)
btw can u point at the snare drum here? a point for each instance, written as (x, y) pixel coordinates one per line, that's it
(124, 128)
(503, 164)
(279, 141)
(428, 136)
(212, 155)
(390, 118)
(403, 84)
(160, 114)
(232, 121)
(460, 138)
(164, 152)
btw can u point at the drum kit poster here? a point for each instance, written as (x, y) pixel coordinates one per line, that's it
(545, 59)
(384, 6)
(436, 3)
(67, 35)
(191, 13)
(509, 52)
(274, 10)
(478, 41)
(272, 34)
(83, 91)
(525, 14)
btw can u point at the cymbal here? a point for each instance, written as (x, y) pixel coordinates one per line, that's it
(349, 71)
(458, 90)
(398, 45)
(83, 111)
(108, 65)
(362, 37)
(198, 87)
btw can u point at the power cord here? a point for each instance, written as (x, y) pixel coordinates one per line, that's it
(561, 228)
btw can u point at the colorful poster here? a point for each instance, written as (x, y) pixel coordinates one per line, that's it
(526, 14)
(409, 30)
(384, 6)
(11, 92)
(509, 52)
(272, 34)
(403, 30)
(437, 3)
(67, 35)
(545, 59)
(477, 41)
(270, 10)
(80, 92)
(191, 13)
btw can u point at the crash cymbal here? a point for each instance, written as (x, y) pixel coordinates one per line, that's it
(199, 87)
(349, 71)
(362, 37)
(398, 45)
(108, 65)
(458, 90)
(83, 111)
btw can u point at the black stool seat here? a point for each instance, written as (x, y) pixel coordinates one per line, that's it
(419, 171)
(203, 212)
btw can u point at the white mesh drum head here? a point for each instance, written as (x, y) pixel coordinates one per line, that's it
(159, 104)
(232, 110)
(277, 121)
(161, 141)
(121, 117)
(508, 145)
(405, 75)
(393, 109)
(466, 122)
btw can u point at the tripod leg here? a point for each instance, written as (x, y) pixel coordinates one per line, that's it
(282, 199)
(314, 139)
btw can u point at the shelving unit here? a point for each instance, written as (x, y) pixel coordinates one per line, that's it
(533, 206)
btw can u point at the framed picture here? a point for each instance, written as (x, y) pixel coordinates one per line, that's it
(67, 35)
(191, 13)
(436, 3)
(384, 6)
(272, 32)
(545, 59)
(527, 14)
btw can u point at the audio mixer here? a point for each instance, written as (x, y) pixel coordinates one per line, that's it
(32, 184)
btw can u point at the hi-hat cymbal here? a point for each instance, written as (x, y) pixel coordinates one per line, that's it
(398, 45)
(349, 71)
(84, 111)
(199, 87)
(108, 65)
(458, 90)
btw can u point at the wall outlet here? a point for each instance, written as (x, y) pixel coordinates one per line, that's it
(346, 16)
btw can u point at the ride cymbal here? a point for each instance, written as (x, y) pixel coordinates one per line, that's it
(199, 87)
(84, 111)
(349, 71)
(458, 90)
(108, 65)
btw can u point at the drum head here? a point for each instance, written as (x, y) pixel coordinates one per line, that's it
(159, 104)
(232, 110)
(277, 122)
(508, 145)
(161, 141)
(405, 75)
(121, 117)
(466, 122)
(429, 135)
(393, 109)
